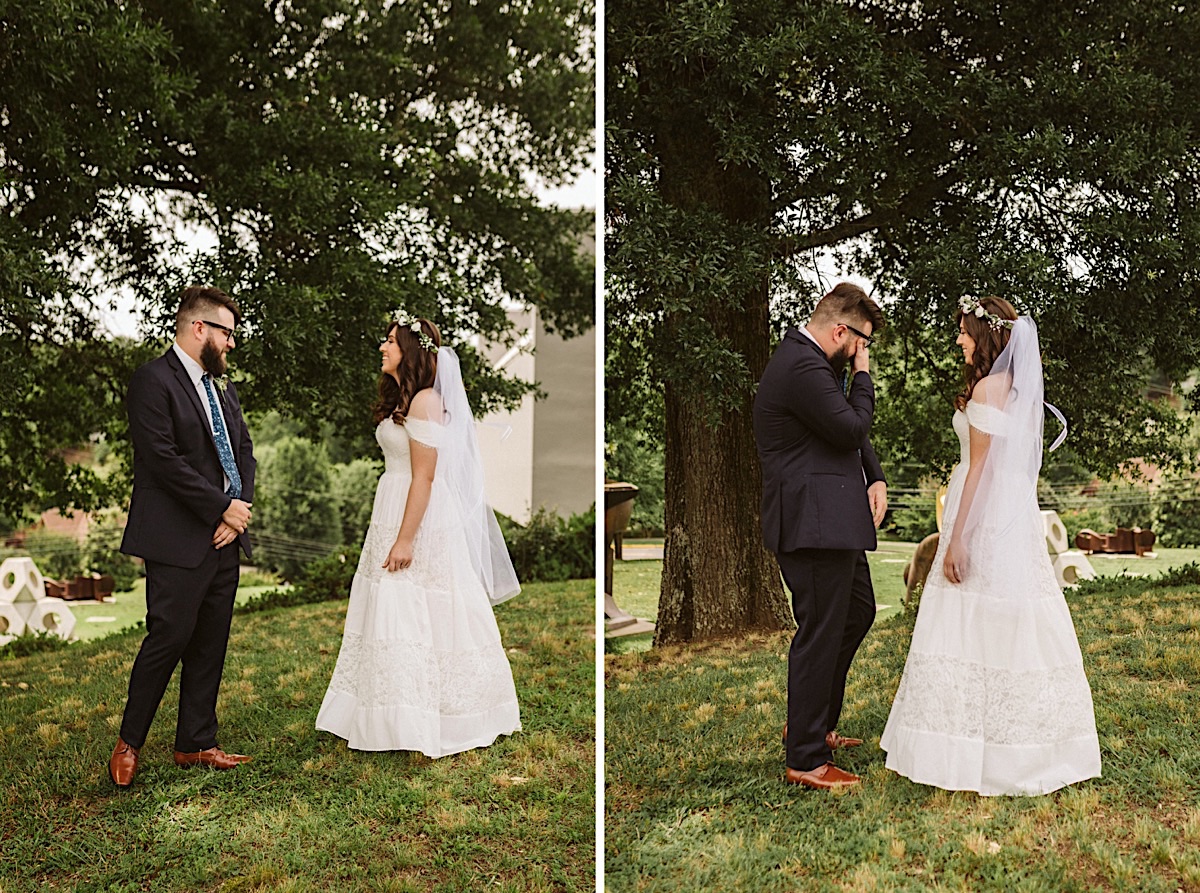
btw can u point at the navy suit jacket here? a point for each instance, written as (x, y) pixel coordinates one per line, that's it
(178, 483)
(813, 447)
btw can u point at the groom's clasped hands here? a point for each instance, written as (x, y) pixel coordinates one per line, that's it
(234, 521)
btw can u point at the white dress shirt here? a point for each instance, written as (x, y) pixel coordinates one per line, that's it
(196, 372)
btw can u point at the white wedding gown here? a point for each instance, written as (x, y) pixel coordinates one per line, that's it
(993, 697)
(421, 665)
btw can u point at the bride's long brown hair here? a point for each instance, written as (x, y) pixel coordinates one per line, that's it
(989, 344)
(416, 372)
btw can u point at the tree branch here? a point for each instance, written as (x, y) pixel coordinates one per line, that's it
(915, 200)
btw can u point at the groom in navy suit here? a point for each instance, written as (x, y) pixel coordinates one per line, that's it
(193, 482)
(823, 496)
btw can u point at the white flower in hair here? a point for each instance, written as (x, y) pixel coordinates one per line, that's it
(970, 304)
(414, 325)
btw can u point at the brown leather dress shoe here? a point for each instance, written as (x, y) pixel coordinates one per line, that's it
(213, 758)
(822, 778)
(832, 740)
(122, 765)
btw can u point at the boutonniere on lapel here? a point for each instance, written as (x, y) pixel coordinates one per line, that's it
(222, 383)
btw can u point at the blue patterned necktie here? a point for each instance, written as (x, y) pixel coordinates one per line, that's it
(224, 448)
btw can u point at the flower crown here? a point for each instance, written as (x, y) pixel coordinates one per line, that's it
(414, 325)
(969, 304)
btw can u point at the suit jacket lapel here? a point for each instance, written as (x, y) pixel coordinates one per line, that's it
(190, 389)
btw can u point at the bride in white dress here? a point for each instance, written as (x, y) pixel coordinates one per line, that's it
(993, 697)
(421, 665)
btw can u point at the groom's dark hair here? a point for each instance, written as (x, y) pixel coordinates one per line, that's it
(199, 300)
(848, 302)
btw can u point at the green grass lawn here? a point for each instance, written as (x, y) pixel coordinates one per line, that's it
(308, 814)
(695, 799)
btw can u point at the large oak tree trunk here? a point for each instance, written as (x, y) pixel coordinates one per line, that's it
(718, 579)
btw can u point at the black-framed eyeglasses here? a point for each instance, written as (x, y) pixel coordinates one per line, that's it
(866, 338)
(229, 333)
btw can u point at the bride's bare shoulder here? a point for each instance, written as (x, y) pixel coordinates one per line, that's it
(426, 404)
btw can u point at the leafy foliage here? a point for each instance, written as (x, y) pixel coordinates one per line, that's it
(1177, 516)
(32, 642)
(326, 579)
(1183, 575)
(938, 152)
(632, 456)
(59, 396)
(325, 163)
(102, 551)
(352, 486)
(296, 514)
(57, 555)
(549, 548)
(935, 149)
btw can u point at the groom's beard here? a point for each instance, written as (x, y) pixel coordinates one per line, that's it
(212, 359)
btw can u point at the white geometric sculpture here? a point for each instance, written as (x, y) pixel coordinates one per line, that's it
(53, 616)
(20, 576)
(1056, 533)
(11, 621)
(1070, 566)
(23, 596)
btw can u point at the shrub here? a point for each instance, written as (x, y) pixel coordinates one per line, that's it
(1092, 517)
(1177, 515)
(326, 579)
(549, 549)
(1129, 504)
(632, 456)
(1184, 575)
(31, 643)
(296, 519)
(915, 516)
(353, 486)
(253, 576)
(102, 552)
(916, 520)
(1126, 584)
(57, 555)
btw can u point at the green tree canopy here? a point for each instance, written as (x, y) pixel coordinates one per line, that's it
(1045, 153)
(346, 158)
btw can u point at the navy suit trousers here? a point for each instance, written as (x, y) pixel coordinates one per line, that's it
(834, 606)
(188, 614)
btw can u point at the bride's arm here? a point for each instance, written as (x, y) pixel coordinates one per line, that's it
(424, 461)
(424, 464)
(954, 564)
